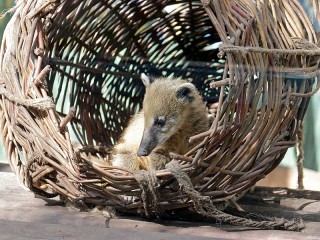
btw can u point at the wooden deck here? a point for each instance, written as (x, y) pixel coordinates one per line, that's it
(22, 216)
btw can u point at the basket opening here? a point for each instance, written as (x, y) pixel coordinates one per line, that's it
(99, 49)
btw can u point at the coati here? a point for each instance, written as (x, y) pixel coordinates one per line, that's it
(173, 111)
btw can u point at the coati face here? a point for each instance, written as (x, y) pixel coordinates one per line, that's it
(166, 107)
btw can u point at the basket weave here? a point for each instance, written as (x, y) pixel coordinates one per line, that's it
(88, 56)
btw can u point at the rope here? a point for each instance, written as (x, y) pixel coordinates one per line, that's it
(300, 154)
(148, 182)
(41, 104)
(245, 50)
(204, 206)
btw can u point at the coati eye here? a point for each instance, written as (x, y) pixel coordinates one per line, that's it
(160, 121)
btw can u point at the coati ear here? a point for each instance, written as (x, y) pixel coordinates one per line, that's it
(147, 80)
(185, 92)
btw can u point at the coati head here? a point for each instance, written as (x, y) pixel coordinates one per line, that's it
(167, 106)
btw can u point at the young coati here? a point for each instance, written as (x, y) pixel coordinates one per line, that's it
(173, 111)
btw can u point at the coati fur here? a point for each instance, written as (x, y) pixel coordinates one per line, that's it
(173, 111)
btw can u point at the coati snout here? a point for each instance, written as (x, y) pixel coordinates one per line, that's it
(148, 143)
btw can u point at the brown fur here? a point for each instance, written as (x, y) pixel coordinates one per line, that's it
(183, 120)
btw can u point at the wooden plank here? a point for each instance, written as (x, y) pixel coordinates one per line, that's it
(19, 210)
(26, 230)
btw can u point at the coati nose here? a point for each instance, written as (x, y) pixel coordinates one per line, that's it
(142, 152)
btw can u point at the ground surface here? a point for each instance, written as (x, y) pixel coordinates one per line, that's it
(22, 216)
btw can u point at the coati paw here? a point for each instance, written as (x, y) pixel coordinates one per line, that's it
(126, 161)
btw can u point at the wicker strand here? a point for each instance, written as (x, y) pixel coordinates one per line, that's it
(29, 179)
(204, 206)
(44, 72)
(41, 104)
(67, 118)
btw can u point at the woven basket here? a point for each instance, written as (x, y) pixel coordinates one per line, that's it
(70, 80)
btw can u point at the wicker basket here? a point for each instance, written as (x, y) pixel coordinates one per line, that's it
(88, 56)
